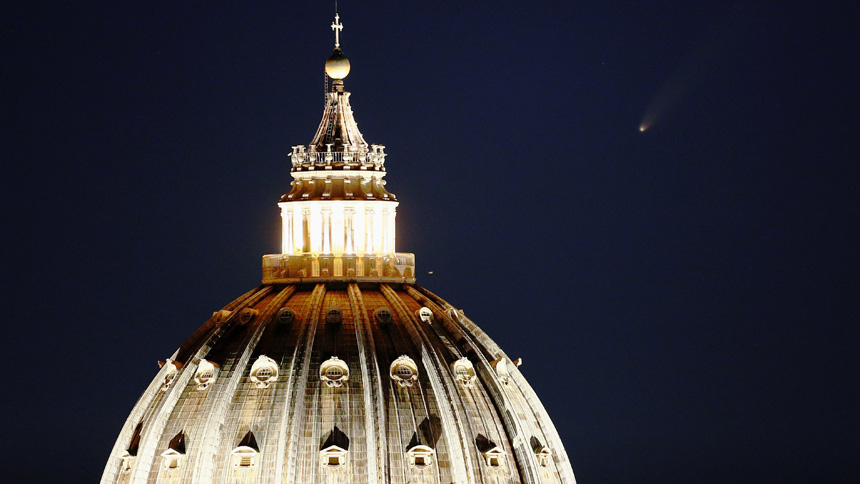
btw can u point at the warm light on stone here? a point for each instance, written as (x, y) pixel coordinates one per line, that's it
(338, 368)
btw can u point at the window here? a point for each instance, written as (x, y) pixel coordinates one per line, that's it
(286, 316)
(333, 316)
(205, 374)
(464, 371)
(383, 315)
(244, 457)
(404, 371)
(425, 314)
(169, 374)
(334, 372)
(264, 371)
(420, 457)
(247, 315)
(333, 457)
(127, 463)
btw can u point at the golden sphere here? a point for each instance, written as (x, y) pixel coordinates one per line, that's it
(337, 65)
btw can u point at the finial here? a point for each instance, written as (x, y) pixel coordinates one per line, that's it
(337, 27)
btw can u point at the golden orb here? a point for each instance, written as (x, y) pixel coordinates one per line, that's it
(337, 65)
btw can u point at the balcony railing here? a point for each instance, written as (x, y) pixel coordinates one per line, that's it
(284, 268)
(376, 157)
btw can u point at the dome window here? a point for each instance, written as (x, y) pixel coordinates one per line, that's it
(464, 372)
(425, 314)
(334, 372)
(333, 457)
(221, 316)
(501, 367)
(286, 316)
(420, 457)
(494, 458)
(171, 459)
(543, 456)
(264, 371)
(247, 315)
(383, 315)
(404, 371)
(169, 373)
(335, 450)
(333, 316)
(245, 455)
(244, 458)
(206, 371)
(126, 462)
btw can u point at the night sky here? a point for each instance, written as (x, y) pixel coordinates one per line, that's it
(685, 299)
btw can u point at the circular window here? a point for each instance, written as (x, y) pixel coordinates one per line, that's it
(333, 316)
(286, 316)
(383, 316)
(265, 373)
(247, 315)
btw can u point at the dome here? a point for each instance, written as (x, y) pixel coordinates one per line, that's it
(337, 65)
(338, 367)
(381, 382)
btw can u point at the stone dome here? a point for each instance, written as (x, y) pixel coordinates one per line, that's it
(339, 382)
(338, 368)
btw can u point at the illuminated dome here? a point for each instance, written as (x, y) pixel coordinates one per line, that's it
(338, 367)
(337, 65)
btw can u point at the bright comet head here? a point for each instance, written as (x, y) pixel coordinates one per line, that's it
(642, 127)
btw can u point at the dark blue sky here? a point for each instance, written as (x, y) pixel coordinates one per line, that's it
(685, 299)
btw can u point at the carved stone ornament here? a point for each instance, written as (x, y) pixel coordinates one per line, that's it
(334, 372)
(404, 371)
(205, 375)
(425, 314)
(169, 374)
(264, 371)
(464, 372)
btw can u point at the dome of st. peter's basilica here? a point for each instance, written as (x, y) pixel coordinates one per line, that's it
(338, 368)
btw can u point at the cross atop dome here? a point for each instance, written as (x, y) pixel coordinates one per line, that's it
(337, 27)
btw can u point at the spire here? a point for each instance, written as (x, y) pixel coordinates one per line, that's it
(337, 65)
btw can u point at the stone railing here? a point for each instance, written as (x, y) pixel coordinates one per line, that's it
(284, 268)
(300, 157)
